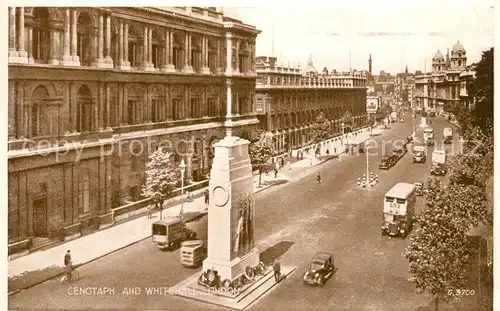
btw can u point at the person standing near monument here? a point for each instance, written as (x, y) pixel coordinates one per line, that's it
(277, 270)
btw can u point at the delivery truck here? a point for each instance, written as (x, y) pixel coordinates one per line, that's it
(448, 135)
(438, 163)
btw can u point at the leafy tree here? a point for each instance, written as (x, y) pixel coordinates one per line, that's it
(438, 251)
(383, 112)
(162, 176)
(260, 153)
(321, 129)
(348, 121)
(481, 89)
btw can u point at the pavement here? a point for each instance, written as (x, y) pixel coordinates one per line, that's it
(37, 267)
(292, 222)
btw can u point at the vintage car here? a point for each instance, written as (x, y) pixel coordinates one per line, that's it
(438, 169)
(387, 162)
(448, 140)
(419, 188)
(320, 269)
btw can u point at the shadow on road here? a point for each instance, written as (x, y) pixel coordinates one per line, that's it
(275, 251)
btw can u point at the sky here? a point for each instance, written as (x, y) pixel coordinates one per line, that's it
(396, 35)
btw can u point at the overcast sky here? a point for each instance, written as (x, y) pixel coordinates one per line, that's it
(396, 36)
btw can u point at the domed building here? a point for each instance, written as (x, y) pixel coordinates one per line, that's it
(446, 84)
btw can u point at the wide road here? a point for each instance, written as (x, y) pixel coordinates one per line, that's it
(293, 221)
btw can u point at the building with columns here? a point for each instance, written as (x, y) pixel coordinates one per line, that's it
(92, 91)
(446, 84)
(289, 98)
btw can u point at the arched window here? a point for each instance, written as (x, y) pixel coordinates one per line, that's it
(84, 110)
(135, 105)
(41, 35)
(196, 53)
(157, 105)
(178, 51)
(85, 39)
(42, 122)
(135, 46)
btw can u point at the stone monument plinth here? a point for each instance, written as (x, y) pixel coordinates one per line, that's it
(231, 211)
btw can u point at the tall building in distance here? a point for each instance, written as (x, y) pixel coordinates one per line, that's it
(446, 84)
(92, 91)
(289, 98)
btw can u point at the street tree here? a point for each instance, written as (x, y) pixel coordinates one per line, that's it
(481, 90)
(321, 129)
(348, 120)
(383, 112)
(261, 152)
(162, 176)
(438, 251)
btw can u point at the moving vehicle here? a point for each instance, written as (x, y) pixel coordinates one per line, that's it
(438, 163)
(394, 116)
(419, 188)
(419, 154)
(429, 136)
(387, 162)
(448, 135)
(432, 112)
(169, 233)
(399, 209)
(193, 253)
(320, 269)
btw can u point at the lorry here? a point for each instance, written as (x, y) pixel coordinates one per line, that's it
(448, 135)
(419, 155)
(438, 163)
(170, 233)
(429, 136)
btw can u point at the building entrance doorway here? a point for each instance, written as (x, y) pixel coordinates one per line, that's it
(40, 217)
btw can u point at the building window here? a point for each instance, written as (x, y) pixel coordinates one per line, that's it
(132, 54)
(41, 35)
(155, 110)
(155, 55)
(85, 110)
(42, 123)
(84, 195)
(85, 38)
(175, 109)
(131, 112)
(195, 111)
(211, 107)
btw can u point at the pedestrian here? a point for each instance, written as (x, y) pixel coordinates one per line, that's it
(277, 270)
(335, 150)
(68, 263)
(275, 173)
(207, 195)
(289, 165)
(327, 152)
(297, 155)
(318, 178)
(277, 166)
(282, 162)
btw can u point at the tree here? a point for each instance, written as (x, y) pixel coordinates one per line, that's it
(383, 112)
(321, 129)
(481, 89)
(348, 120)
(260, 153)
(438, 251)
(162, 176)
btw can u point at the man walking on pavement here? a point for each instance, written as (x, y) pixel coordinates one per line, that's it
(277, 270)
(318, 178)
(207, 196)
(68, 263)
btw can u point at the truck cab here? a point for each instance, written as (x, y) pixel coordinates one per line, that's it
(419, 155)
(193, 253)
(448, 135)
(429, 136)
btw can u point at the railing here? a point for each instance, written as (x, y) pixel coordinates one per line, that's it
(174, 197)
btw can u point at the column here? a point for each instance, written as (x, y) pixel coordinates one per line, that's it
(171, 48)
(237, 56)
(121, 46)
(20, 41)
(150, 46)
(12, 33)
(108, 58)
(53, 47)
(229, 56)
(125, 46)
(187, 54)
(74, 38)
(204, 56)
(168, 47)
(99, 60)
(67, 60)
(145, 52)
(218, 57)
(107, 120)
(31, 60)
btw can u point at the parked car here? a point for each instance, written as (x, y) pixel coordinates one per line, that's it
(387, 162)
(320, 269)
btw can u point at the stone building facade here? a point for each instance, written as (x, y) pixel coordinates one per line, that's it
(288, 100)
(445, 84)
(93, 90)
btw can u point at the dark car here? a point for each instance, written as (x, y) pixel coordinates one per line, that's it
(448, 140)
(438, 169)
(387, 162)
(320, 269)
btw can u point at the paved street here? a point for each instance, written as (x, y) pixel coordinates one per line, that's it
(294, 220)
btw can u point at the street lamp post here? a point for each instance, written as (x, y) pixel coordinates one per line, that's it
(342, 125)
(182, 168)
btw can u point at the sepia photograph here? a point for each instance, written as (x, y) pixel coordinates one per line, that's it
(255, 156)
